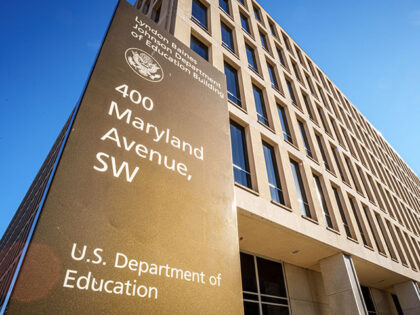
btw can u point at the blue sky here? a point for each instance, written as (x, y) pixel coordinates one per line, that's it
(369, 49)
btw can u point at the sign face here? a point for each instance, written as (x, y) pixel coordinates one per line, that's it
(139, 216)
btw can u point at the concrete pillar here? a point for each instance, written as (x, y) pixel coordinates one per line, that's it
(342, 286)
(408, 294)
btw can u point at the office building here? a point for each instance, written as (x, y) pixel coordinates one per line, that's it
(328, 213)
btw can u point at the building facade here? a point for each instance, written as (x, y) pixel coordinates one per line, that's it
(322, 199)
(327, 211)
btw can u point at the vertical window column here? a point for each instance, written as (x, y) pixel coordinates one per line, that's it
(241, 170)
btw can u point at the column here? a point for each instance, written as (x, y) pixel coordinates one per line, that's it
(408, 294)
(342, 286)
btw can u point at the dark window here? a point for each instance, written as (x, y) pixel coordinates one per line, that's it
(232, 84)
(358, 222)
(321, 116)
(321, 149)
(368, 300)
(291, 93)
(263, 41)
(305, 139)
(224, 4)
(239, 155)
(308, 80)
(281, 58)
(257, 13)
(252, 61)
(260, 105)
(245, 23)
(341, 210)
(273, 29)
(385, 235)
(199, 13)
(284, 123)
(199, 47)
(227, 37)
(323, 202)
(273, 77)
(156, 13)
(296, 70)
(286, 42)
(373, 230)
(273, 174)
(300, 189)
(335, 154)
(351, 174)
(308, 106)
(270, 295)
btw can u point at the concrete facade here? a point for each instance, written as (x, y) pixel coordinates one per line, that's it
(376, 220)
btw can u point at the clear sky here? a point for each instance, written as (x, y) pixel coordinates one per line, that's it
(369, 49)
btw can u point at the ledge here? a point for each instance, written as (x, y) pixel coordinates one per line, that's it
(310, 219)
(331, 172)
(394, 259)
(237, 106)
(332, 230)
(312, 159)
(290, 143)
(269, 128)
(201, 26)
(352, 239)
(370, 248)
(382, 254)
(281, 206)
(256, 193)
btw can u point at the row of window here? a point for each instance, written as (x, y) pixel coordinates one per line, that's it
(242, 176)
(200, 14)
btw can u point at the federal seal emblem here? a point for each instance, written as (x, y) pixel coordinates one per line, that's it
(144, 65)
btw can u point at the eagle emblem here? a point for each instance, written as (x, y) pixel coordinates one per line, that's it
(144, 65)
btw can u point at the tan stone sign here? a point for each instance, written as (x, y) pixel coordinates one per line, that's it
(139, 216)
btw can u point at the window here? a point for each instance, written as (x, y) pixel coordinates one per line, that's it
(245, 24)
(252, 61)
(359, 222)
(368, 300)
(242, 2)
(239, 155)
(199, 13)
(385, 235)
(257, 13)
(273, 29)
(224, 5)
(273, 174)
(199, 47)
(296, 71)
(281, 58)
(341, 210)
(340, 170)
(308, 80)
(300, 189)
(284, 123)
(227, 37)
(291, 92)
(305, 139)
(260, 105)
(323, 202)
(373, 230)
(308, 106)
(232, 84)
(273, 77)
(263, 41)
(263, 286)
(286, 42)
(321, 116)
(321, 149)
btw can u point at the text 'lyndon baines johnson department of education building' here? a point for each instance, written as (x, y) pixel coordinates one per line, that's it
(327, 212)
